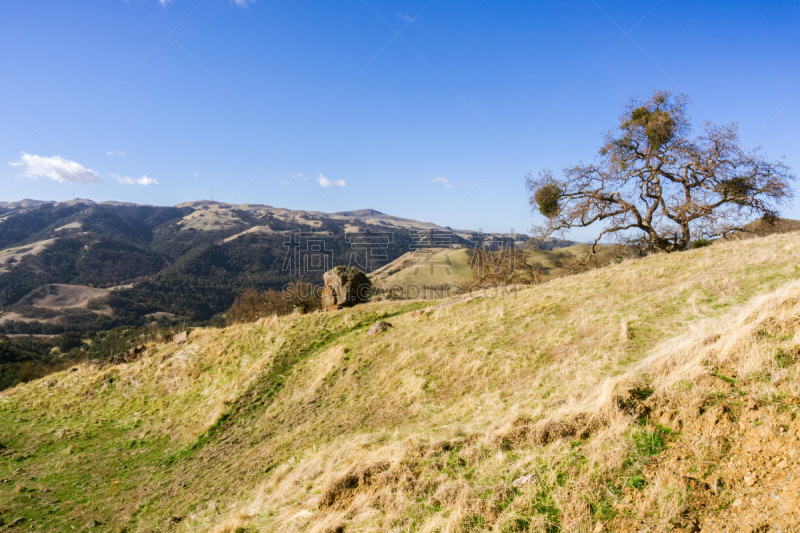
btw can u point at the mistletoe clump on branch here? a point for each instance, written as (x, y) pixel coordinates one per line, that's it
(655, 185)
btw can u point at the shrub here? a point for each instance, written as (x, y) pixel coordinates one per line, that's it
(702, 243)
(69, 340)
(252, 305)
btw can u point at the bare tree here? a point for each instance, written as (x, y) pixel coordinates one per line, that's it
(504, 266)
(654, 185)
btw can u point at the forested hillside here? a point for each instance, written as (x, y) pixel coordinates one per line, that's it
(187, 262)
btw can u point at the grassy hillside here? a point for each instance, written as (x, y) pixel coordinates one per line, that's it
(190, 261)
(503, 412)
(436, 269)
(431, 268)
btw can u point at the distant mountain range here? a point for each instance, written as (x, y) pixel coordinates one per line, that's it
(85, 265)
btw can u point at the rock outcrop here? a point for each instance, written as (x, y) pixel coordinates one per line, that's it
(180, 338)
(378, 327)
(345, 286)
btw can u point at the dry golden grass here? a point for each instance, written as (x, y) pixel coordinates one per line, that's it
(496, 390)
(312, 425)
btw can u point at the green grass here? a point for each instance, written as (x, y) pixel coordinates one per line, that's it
(192, 432)
(93, 455)
(724, 378)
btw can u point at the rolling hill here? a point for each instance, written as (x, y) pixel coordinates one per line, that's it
(659, 393)
(440, 272)
(188, 262)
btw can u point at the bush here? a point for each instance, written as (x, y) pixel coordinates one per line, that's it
(252, 305)
(605, 256)
(69, 340)
(492, 268)
(702, 243)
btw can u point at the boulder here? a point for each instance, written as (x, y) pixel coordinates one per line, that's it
(524, 480)
(378, 327)
(345, 286)
(128, 356)
(180, 338)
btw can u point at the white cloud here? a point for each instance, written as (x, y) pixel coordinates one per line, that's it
(444, 181)
(55, 168)
(405, 17)
(127, 180)
(325, 182)
(123, 179)
(144, 180)
(116, 153)
(300, 177)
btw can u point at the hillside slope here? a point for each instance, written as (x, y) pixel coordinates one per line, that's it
(440, 272)
(191, 260)
(543, 409)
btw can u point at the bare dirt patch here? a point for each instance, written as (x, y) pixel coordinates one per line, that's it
(13, 255)
(65, 296)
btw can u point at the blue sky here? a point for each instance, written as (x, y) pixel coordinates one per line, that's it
(343, 105)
